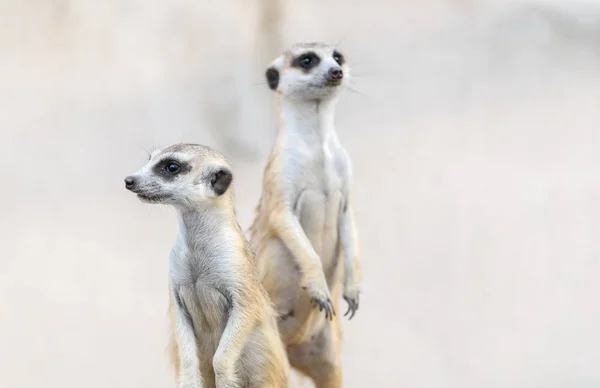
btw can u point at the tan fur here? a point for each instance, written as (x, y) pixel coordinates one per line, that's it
(304, 233)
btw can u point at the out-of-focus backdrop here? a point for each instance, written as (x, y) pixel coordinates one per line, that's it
(474, 127)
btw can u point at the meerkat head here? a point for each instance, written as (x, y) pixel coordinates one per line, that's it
(182, 174)
(308, 71)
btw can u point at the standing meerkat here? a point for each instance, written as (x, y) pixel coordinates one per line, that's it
(304, 234)
(224, 326)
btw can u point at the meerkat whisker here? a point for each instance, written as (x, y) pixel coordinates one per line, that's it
(351, 89)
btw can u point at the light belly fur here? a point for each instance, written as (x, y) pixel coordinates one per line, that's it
(318, 213)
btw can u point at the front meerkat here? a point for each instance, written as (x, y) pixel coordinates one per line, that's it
(224, 326)
(304, 234)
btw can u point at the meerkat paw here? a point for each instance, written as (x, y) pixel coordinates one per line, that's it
(319, 297)
(351, 296)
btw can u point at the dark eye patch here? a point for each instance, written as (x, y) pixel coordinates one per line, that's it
(164, 168)
(339, 58)
(306, 61)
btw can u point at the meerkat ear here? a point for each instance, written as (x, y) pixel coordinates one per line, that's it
(272, 75)
(220, 181)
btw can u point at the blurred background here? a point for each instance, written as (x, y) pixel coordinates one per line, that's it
(474, 128)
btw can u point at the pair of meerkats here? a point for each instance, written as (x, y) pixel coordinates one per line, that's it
(242, 312)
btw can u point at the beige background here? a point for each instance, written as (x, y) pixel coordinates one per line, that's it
(474, 129)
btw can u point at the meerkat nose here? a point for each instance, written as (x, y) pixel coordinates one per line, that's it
(129, 183)
(335, 73)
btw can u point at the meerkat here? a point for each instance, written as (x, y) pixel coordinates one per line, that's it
(224, 327)
(304, 233)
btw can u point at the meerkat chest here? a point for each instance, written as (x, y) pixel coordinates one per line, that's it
(199, 279)
(320, 170)
(321, 186)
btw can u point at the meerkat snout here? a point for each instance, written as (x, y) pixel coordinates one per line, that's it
(130, 183)
(335, 74)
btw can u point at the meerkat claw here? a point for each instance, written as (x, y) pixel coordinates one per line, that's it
(327, 306)
(352, 307)
(348, 311)
(353, 310)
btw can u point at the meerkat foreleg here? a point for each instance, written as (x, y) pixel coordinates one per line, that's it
(189, 363)
(289, 230)
(352, 265)
(239, 326)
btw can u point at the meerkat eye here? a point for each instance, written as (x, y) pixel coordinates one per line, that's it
(306, 61)
(339, 58)
(172, 167)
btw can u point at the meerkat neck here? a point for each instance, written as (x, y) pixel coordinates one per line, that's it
(313, 118)
(193, 222)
